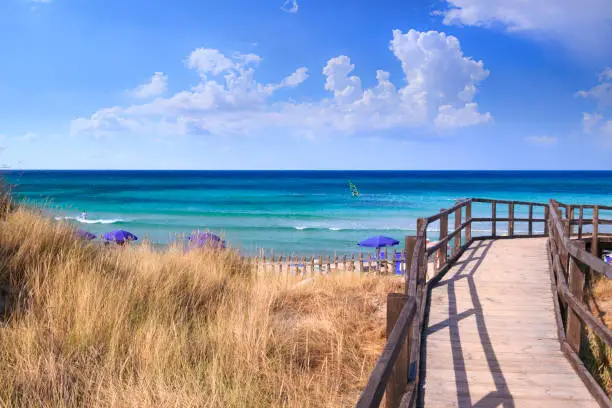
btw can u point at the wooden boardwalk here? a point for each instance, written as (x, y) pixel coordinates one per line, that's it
(492, 338)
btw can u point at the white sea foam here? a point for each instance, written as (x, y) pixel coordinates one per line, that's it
(300, 227)
(94, 221)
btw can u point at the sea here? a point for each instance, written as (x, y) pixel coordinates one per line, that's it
(291, 212)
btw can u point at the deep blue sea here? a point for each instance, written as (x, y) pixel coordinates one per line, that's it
(297, 212)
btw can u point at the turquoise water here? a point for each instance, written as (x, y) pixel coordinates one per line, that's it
(294, 212)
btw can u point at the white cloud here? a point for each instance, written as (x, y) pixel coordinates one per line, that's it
(156, 86)
(591, 121)
(583, 26)
(206, 60)
(606, 74)
(602, 94)
(595, 123)
(542, 140)
(440, 87)
(449, 117)
(293, 80)
(290, 6)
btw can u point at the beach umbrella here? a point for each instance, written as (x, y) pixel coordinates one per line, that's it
(207, 239)
(378, 242)
(85, 234)
(119, 236)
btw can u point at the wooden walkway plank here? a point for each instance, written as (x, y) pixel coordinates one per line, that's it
(492, 336)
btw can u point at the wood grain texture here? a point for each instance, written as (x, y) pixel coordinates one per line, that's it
(492, 338)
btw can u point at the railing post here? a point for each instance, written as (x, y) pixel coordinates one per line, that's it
(493, 219)
(563, 253)
(594, 238)
(546, 218)
(571, 218)
(530, 226)
(511, 219)
(567, 227)
(468, 218)
(457, 239)
(443, 251)
(410, 285)
(580, 216)
(423, 255)
(396, 386)
(576, 286)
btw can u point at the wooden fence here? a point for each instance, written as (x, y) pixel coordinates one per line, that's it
(393, 261)
(569, 262)
(397, 371)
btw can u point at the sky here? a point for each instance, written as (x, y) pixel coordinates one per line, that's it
(306, 84)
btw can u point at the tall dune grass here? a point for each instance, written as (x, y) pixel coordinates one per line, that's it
(86, 325)
(598, 355)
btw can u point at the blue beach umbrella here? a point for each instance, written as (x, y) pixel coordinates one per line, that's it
(85, 234)
(207, 239)
(119, 236)
(378, 242)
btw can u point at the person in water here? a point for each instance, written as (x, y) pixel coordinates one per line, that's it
(84, 215)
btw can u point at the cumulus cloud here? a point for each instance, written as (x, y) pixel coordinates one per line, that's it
(299, 76)
(542, 140)
(602, 94)
(290, 6)
(450, 117)
(440, 85)
(156, 86)
(583, 26)
(595, 123)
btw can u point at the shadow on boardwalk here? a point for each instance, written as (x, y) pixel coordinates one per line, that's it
(468, 266)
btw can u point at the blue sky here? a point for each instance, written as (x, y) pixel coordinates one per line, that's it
(311, 84)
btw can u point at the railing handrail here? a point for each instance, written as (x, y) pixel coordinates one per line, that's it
(597, 265)
(375, 388)
(568, 263)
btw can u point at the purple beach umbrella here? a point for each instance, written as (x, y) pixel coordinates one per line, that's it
(207, 239)
(119, 236)
(85, 234)
(378, 242)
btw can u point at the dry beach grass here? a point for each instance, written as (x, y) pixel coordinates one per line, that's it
(132, 327)
(599, 360)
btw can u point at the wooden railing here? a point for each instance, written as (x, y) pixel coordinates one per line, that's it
(398, 368)
(569, 262)
(574, 213)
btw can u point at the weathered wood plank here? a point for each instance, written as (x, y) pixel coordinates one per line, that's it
(492, 338)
